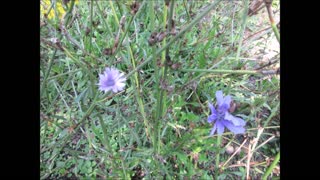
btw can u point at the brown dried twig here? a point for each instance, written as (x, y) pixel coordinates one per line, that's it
(235, 153)
(252, 146)
(254, 7)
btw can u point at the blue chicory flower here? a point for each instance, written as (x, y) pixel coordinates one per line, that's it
(111, 79)
(223, 118)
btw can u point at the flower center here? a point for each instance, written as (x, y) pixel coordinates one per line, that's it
(220, 115)
(110, 81)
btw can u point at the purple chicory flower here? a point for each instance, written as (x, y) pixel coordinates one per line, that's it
(223, 118)
(111, 79)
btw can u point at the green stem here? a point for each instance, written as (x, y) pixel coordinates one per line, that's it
(163, 54)
(174, 39)
(273, 24)
(276, 32)
(243, 27)
(273, 113)
(162, 97)
(103, 18)
(156, 72)
(136, 77)
(141, 105)
(170, 15)
(221, 71)
(91, 25)
(119, 7)
(84, 66)
(126, 30)
(154, 59)
(186, 9)
(226, 71)
(114, 13)
(123, 169)
(160, 92)
(49, 109)
(62, 74)
(272, 166)
(218, 157)
(69, 13)
(48, 72)
(106, 141)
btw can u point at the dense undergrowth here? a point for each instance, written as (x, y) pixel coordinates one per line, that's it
(175, 56)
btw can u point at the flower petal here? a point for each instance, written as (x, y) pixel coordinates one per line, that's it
(213, 110)
(115, 89)
(212, 118)
(233, 128)
(220, 127)
(219, 96)
(107, 70)
(223, 102)
(235, 120)
(213, 130)
(227, 101)
(213, 115)
(120, 86)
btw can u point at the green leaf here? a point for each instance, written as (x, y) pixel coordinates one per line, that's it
(189, 117)
(222, 176)
(202, 61)
(60, 164)
(237, 173)
(81, 96)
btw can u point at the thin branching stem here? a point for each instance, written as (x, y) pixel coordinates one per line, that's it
(91, 25)
(217, 168)
(174, 39)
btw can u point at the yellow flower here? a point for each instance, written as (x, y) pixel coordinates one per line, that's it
(45, 5)
(60, 10)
